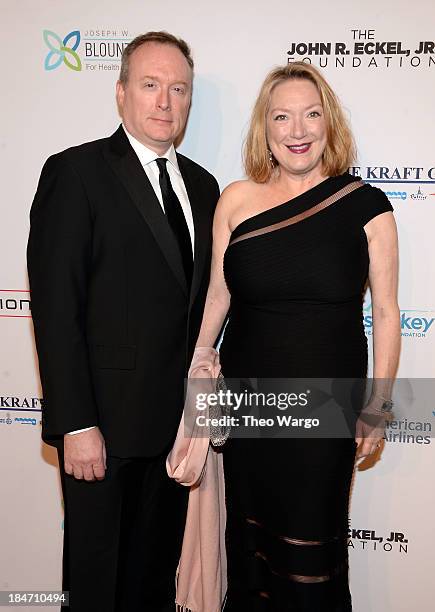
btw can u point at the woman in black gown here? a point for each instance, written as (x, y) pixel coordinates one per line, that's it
(293, 247)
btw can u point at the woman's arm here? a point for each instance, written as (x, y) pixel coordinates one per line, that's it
(217, 302)
(383, 276)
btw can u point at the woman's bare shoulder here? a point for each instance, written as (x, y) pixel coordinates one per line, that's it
(236, 202)
(238, 189)
(236, 193)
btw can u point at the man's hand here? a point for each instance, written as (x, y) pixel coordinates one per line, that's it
(85, 455)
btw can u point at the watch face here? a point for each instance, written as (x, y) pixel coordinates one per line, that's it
(387, 406)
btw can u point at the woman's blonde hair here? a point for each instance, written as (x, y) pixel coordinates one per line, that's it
(340, 150)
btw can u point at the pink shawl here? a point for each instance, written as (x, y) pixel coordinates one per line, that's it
(201, 580)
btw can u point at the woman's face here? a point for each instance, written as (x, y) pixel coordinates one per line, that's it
(295, 127)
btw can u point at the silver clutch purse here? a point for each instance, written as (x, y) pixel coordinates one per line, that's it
(219, 434)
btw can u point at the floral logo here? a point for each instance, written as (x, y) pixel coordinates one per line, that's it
(60, 51)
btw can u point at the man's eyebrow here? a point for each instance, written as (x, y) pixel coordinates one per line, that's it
(156, 78)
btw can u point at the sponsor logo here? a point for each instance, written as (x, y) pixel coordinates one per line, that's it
(364, 48)
(395, 174)
(396, 195)
(419, 195)
(15, 303)
(398, 175)
(370, 540)
(26, 420)
(62, 51)
(6, 420)
(413, 323)
(93, 49)
(406, 431)
(14, 404)
(33, 404)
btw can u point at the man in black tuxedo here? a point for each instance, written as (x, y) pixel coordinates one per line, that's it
(118, 259)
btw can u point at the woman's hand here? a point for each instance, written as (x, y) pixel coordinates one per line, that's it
(370, 427)
(205, 363)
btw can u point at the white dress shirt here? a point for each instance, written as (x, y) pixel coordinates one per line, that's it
(147, 159)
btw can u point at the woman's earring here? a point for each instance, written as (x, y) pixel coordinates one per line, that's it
(269, 152)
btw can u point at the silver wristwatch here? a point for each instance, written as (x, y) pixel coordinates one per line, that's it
(387, 405)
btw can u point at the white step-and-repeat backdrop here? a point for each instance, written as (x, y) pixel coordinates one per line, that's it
(380, 58)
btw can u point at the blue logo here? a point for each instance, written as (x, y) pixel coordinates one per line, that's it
(25, 420)
(411, 324)
(396, 195)
(62, 52)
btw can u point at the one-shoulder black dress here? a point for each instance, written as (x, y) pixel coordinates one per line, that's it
(296, 274)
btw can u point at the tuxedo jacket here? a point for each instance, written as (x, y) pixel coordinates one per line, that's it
(115, 323)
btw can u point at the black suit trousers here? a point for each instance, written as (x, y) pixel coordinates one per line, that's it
(123, 537)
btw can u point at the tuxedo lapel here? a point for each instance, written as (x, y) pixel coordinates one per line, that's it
(201, 224)
(127, 167)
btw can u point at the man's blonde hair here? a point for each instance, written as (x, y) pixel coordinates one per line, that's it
(162, 38)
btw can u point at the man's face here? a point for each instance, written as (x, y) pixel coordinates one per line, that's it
(155, 101)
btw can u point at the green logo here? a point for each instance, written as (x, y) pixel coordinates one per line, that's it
(60, 51)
